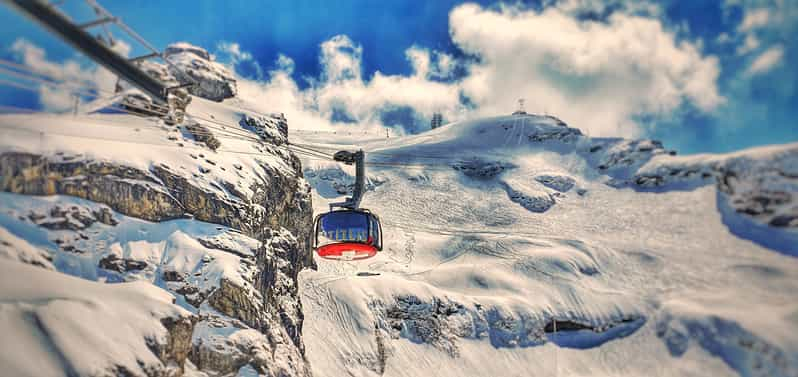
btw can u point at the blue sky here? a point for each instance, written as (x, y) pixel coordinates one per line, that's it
(704, 76)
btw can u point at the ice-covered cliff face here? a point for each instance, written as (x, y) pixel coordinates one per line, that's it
(206, 222)
(518, 246)
(187, 64)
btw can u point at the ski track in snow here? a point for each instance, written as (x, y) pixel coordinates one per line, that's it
(664, 260)
(482, 262)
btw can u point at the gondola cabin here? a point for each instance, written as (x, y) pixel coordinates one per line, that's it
(347, 235)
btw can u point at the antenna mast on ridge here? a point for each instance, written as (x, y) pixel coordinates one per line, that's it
(520, 110)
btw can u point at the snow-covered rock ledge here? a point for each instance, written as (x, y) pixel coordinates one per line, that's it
(218, 225)
(757, 189)
(54, 324)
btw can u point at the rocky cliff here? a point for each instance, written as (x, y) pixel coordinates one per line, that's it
(215, 211)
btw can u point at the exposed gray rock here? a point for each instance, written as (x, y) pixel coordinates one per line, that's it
(191, 64)
(272, 128)
(758, 187)
(442, 322)
(127, 190)
(175, 351)
(624, 154)
(276, 211)
(203, 135)
(561, 183)
(160, 194)
(565, 135)
(768, 196)
(539, 201)
(481, 169)
(112, 262)
(226, 345)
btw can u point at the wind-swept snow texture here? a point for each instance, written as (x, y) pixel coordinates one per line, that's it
(203, 224)
(518, 246)
(50, 324)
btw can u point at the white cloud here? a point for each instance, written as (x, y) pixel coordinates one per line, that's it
(234, 51)
(750, 44)
(232, 54)
(430, 64)
(754, 18)
(75, 77)
(767, 60)
(341, 89)
(636, 7)
(598, 76)
(341, 59)
(285, 64)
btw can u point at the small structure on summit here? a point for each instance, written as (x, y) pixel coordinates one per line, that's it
(520, 110)
(437, 120)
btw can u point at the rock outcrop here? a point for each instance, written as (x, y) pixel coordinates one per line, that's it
(191, 64)
(160, 194)
(241, 273)
(442, 322)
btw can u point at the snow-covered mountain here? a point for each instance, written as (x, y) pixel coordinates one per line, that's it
(518, 246)
(206, 223)
(514, 245)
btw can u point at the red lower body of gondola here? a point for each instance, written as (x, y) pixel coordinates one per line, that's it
(347, 251)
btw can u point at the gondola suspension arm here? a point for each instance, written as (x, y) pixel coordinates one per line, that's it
(359, 160)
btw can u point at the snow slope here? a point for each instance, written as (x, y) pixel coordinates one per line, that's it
(147, 186)
(517, 246)
(50, 320)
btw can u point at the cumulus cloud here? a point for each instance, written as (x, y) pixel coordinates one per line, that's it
(341, 96)
(754, 18)
(750, 44)
(341, 59)
(430, 64)
(233, 55)
(767, 60)
(72, 75)
(599, 76)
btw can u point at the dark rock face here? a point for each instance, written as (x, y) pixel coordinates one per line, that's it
(269, 354)
(629, 154)
(441, 322)
(560, 183)
(158, 195)
(763, 195)
(113, 263)
(203, 135)
(565, 135)
(760, 188)
(481, 169)
(178, 343)
(264, 310)
(188, 64)
(537, 202)
(127, 190)
(276, 210)
(273, 128)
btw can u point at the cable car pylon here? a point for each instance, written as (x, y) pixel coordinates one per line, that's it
(348, 232)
